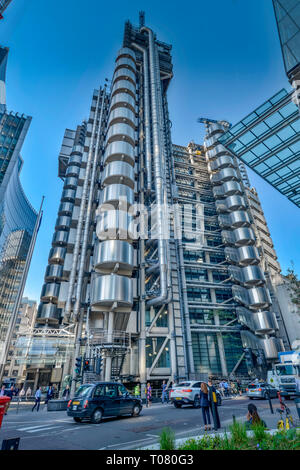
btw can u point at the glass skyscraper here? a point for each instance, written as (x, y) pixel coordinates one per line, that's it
(287, 14)
(18, 219)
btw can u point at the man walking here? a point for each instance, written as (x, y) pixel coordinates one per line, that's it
(50, 394)
(213, 403)
(137, 392)
(164, 396)
(38, 395)
(226, 388)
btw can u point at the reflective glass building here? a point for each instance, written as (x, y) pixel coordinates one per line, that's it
(18, 219)
(287, 14)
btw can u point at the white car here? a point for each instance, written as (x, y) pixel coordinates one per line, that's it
(188, 393)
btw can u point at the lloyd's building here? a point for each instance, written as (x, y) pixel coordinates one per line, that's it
(157, 262)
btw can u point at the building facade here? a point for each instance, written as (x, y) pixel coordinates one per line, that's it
(155, 265)
(15, 366)
(18, 220)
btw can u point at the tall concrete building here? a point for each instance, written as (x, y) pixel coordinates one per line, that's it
(155, 264)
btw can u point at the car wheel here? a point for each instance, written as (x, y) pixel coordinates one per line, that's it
(136, 411)
(196, 402)
(177, 405)
(77, 420)
(96, 417)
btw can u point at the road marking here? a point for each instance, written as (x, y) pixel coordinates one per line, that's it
(41, 426)
(44, 429)
(124, 443)
(152, 435)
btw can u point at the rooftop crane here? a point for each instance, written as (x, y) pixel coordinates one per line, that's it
(212, 121)
(3, 5)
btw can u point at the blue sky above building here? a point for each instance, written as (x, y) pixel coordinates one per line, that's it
(227, 61)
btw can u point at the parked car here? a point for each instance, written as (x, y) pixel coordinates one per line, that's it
(188, 393)
(95, 400)
(261, 390)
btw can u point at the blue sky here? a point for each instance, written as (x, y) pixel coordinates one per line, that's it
(227, 61)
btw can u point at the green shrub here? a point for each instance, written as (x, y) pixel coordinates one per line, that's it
(167, 439)
(238, 434)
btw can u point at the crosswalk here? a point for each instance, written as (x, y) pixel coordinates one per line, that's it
(43, 427)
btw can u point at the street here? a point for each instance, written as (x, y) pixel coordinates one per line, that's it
(56, 431)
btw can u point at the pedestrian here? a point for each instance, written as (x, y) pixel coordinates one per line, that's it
(10, 393)
(148, 395)
(221, 388)
(253, 417)
(38, 395)
(239, 387)
(164, 395)
(66, 392)
(137, 392)
(28, 393)
(50, 394)
(213, 403)
(2, 391)
(226, 388)
(204, 403)
(22, 393)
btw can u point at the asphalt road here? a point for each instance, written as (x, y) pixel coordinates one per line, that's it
(57, 431)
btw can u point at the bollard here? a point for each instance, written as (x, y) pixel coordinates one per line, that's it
(297, 403)
(233, 419)
(270, 402)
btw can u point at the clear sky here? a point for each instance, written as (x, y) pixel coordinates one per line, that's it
(227, 61)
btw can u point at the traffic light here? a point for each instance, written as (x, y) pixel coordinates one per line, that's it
(78, 364)
(99, 361)
(86, 365)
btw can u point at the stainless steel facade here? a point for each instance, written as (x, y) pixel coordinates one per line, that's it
(156, 306)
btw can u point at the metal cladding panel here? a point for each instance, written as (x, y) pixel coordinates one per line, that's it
(65, 208)
(220, 163)
(122, 99)
(50, 291)
(119, 151)
(124, 51)
(259, 297)
(53, 271)
(68, 195)
(264, 322)
(63, 223)
(239, 219)
(112, 290)
(115, 224)
(248, 255)
(48, 313)
(217, 152)
(72, 170)
(244, 236)
(236, 274)
(253, 275)
(235, 203)
(57, 255)
(116, 194)
(111, 252)
(75, 159)
(227, 174)
(124, 72)
(118, 172)
(125, 85)
(60, 238)
(272, 346)
(230, 188)
(71, 183)
(120, 114)
(214, 128)
(212, 141)
(125, 61)
(121, 132)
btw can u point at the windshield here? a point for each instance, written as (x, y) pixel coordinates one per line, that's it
(183, 384)
(83, 391)
(286, 370)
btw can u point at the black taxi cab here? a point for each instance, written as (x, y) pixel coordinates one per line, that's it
(94, 401)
